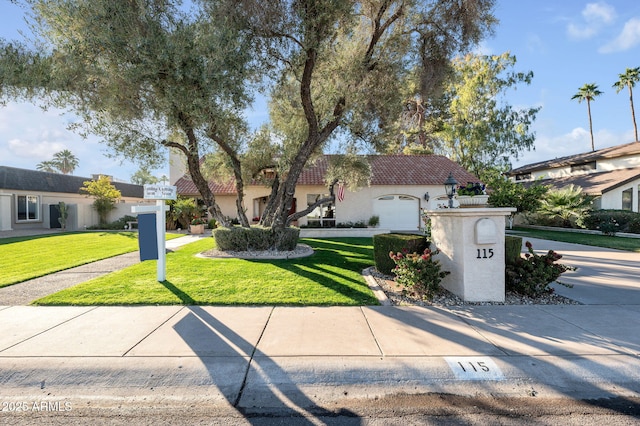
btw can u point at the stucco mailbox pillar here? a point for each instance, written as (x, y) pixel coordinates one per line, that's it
(471, 244)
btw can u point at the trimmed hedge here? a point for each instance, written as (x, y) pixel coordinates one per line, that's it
(383, 244)
(512, 248)
(255, 238)
(612, 221)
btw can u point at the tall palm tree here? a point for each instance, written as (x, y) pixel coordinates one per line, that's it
(629, 79)
(588, 92)
(47, 166)
(65, 161)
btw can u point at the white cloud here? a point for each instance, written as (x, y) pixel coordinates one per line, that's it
(628, 38)
(595, 16)
(599, 12)
(37, 152)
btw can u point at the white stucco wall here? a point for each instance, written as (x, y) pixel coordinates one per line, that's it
(357, 206)
(602, 165)
(613, 199)
(83, 214)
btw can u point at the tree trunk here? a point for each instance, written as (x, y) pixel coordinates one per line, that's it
(237, 174)
(593, 147)
(192, 154)
(633, 114)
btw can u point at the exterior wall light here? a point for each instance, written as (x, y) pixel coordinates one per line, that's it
(450, 187)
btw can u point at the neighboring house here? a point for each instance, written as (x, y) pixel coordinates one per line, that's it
(612, 175)
(29, 200)
(401, 185)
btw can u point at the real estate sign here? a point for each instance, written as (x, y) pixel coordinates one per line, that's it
(160, 192)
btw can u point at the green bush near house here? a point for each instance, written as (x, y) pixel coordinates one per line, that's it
(116, 225)
(609, 222)
(383, 244)
(255, 238)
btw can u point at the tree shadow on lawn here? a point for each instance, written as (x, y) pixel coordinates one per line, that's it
(329, 259)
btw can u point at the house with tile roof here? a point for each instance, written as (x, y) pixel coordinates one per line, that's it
(612, 175)
(29, 200)
(400, 187)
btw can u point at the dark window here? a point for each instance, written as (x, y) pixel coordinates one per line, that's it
(523, 176)
(583, 167)
(28, 208)
(627, 199)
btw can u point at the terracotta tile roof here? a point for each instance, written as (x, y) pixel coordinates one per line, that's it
(595, 183)
(186, 187)
(617, 151)
(386, 170)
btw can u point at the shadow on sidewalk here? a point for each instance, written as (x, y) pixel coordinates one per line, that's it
(289, 403)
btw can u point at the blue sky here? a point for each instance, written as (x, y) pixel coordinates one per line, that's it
(565, 43)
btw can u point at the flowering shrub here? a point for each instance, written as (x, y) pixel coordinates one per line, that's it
(420, 272)
(426, 220)
(532, 274)
(198, 221)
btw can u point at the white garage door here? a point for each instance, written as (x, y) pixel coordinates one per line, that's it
(397, 212)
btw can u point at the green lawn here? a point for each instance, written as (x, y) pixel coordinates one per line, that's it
(331, 276)
(24, 258)
(620, 243)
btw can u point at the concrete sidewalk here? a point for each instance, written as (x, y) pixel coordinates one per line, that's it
(306, 359)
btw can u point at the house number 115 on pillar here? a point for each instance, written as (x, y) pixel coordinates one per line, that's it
(484, 253)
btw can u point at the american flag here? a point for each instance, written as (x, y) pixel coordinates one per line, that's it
(340, 191)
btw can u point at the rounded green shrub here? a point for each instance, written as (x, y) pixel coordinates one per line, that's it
(255, 238)
(383, 244)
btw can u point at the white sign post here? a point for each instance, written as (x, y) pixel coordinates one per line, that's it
(158, 193)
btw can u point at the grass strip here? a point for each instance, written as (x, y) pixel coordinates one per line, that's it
(25, 258)
(331, 276)
(614, 242)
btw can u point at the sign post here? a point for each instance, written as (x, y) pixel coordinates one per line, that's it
(158, 193)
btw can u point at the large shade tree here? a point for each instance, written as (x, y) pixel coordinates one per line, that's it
(145, 75)
(339, 69)
(149, 75)
(628, 79)
(478, 129)
(588, 92)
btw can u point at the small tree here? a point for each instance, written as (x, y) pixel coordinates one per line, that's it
(106, 195)
(503, 192)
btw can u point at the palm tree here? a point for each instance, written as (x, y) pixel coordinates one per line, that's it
(65, 161)
(629, 79)
(588, 93)
(47, 166)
